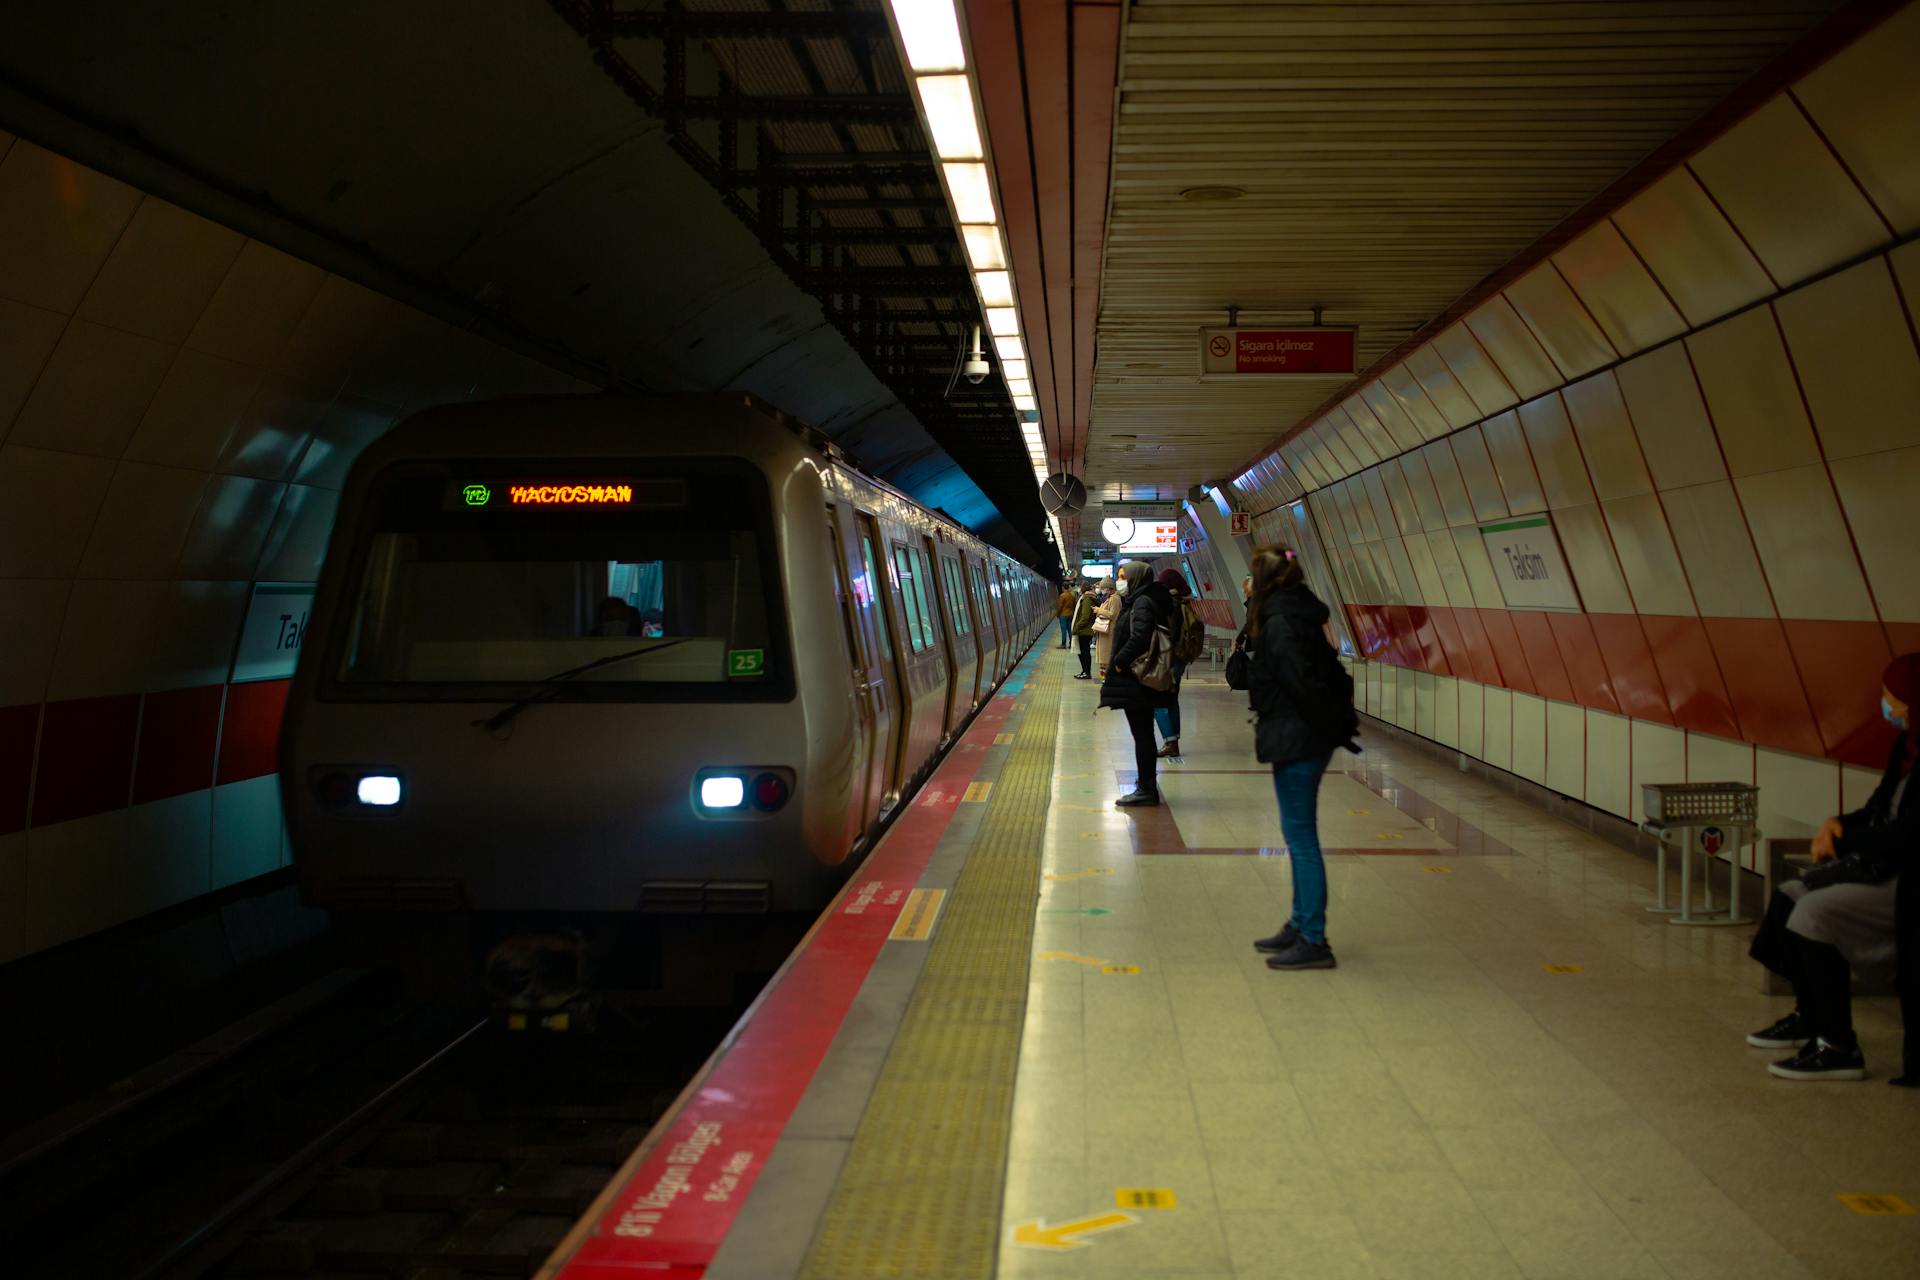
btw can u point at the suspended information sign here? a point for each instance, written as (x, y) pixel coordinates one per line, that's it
(1312, 352)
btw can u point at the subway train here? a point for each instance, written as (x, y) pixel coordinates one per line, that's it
(591, 673)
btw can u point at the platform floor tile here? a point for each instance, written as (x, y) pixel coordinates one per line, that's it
(1516, 1071)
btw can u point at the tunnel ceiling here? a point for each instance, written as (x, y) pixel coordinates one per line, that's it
(551, 164)
(1387, 158)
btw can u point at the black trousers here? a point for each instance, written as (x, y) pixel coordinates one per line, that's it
(1822, 983)
(1145, 750)
(1086, 654)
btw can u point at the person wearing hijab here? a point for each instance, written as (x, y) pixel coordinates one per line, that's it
(1168, 715)
(1303, 700)
(1110, 605)
(1149, 605)
(1853, 919)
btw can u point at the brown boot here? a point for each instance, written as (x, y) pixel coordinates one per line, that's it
(1171, 750)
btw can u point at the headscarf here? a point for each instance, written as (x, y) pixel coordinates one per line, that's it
(1902, 680)
(1136, 574)
(1172, 580)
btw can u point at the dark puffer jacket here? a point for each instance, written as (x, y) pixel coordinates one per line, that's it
(1152, 606)
(1303, 696)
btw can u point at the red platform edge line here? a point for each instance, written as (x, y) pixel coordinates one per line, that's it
(667, 1211)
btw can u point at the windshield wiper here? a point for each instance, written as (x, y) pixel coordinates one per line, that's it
(552, 684)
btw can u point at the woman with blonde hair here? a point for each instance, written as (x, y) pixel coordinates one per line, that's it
(1303, 699)
(1110, 606)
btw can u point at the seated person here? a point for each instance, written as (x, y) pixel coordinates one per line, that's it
(617, 618)
(653, 623)
(1812, 936)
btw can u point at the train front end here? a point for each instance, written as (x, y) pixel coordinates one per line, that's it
(556, 708)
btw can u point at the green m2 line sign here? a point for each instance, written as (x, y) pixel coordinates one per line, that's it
(1527, 561)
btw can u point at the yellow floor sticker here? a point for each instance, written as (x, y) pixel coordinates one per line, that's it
(1071, 1234)
(917, 916)
(1081, 874)
(1145, 1197)
(1120, 968)
(1438, 871)
(977, 791)
(1562, 968)
(1002, 739)
(1070, 957)
(1876, 1205)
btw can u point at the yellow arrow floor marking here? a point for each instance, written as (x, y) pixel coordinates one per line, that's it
(1035, 1234)
(1359, 812)
(1439, 871)
(1081, 875)
(1873, 1204)
(1070, 956)
(1562, 968)
(977, 791)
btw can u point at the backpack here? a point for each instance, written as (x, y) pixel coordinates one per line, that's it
(1193, 635)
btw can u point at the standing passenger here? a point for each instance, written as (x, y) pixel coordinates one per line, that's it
(1192, 635)
(1065, 610)
(1149, 605)
(1304, 700)
(1083, 611)
(1109, 612)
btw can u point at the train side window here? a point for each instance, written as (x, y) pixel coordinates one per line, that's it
(870, 601)
(923, 596)
(916, 629)
(840, 594)
(956, 599)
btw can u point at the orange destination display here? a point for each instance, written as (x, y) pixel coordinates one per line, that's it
(1308, 352)
(504, 493)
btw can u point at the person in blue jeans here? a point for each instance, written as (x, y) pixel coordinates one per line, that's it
(1069, 596)
(1303, 700)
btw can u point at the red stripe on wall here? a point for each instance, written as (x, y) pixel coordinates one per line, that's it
(250, 734)
(1543, 654)
(178, 730)
(1428, 635)
(1514, 672)
(1840, 664)
(1486, 668)
(18, 728)
(1580, 653)
(86, 757)
(1447, 628)
(1695, 693)
(1630, 668)
(1763, 683)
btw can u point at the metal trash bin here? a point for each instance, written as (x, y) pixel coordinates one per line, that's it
(1710, 817)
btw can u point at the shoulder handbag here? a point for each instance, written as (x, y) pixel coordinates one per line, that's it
(1239, 669)
(1154, 668)
(1102, 624)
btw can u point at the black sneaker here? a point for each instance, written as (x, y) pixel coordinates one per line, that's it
(1280, 941)
(1820, 1060)
(1789, 1033)
(1302, 954)
(1135, 799)
(1083, 676)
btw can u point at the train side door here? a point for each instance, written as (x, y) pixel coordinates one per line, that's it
(886, 676)
(949, 625)
(989, 633)
(869, 786)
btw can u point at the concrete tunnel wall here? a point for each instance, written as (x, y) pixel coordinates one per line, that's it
(1715, 393)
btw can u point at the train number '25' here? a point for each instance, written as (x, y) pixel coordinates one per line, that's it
(746, 662)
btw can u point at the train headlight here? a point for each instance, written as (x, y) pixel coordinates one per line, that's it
(723, 791)
(382, 790)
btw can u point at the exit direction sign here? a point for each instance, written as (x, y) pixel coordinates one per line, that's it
(1323, 351)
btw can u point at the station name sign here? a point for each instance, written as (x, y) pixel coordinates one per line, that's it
(1310, 352)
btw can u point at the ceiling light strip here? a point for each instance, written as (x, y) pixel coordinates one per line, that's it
(934, 48)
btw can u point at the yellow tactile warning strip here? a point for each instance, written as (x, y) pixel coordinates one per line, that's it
(919, 1195)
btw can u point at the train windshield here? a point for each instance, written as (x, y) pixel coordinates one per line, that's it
(481, 582)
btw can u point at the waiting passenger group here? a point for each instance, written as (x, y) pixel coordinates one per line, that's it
(1851, 914)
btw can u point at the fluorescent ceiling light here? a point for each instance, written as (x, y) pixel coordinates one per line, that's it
(1024, 402)
(1009, 348)
(984, 249)
(1014, 368)
(996, 288)
(1003, 322)
(931, 34)
(972, 198)
(949, 104)
(1019, 386)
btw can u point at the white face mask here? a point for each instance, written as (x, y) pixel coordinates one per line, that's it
(1121, 586)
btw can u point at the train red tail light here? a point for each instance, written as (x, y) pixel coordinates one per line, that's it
(769, 792)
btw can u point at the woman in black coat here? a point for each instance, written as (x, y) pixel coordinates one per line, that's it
(1148, 605)
(1304, 700)
(1868, 922)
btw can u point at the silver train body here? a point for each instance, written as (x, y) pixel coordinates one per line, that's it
(776, 647)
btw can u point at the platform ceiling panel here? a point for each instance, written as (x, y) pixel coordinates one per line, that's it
(1391, 156)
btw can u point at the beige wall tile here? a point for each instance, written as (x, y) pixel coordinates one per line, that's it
(1803, 545)
(1647, 556)
(1711, 534)
(30, 613)
(1693, 251)
(1559, 321)
(1856, 360)
(58, 223)
(1556, 454)
(257, 306)
(27, 337)
(1670, 418)
(143, 523)
(1607, 441)
(95, 389)
(1879, 492)
(194, 412)
(1513, 348)
(48, 502)
(1752, 395)
(162, 273)
(1866, 101)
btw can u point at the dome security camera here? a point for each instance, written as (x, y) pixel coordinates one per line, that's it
(976, 368)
